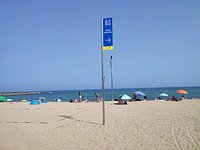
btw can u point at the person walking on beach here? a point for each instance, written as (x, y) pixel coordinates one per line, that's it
(97, 97)
(80, 96)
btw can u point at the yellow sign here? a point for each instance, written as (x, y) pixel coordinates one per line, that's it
(107, 47)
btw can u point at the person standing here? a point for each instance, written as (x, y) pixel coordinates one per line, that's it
(97, 97)
(80, 96)
(145, 98)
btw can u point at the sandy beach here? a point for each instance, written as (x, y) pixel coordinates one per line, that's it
(152, 125)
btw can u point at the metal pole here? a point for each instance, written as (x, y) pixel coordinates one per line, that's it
(102, 68)
(111, 66)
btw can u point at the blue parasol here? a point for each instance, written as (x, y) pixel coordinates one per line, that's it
(139, 93)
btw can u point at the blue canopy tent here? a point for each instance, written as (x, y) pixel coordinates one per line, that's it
(34, 102)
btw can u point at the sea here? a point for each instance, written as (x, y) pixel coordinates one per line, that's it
(67, 95)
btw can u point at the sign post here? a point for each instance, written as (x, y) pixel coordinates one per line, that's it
(111, 71)
(106, 44)
(107, 34)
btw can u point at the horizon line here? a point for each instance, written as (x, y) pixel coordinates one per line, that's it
(98, 89)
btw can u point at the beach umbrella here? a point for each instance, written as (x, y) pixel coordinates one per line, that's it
(9, 100)
(3, 99)
(163, 94)
(139, 93)
(124, 97)
(57, 100)
(41, 98)
(24, 100)
(182, 91)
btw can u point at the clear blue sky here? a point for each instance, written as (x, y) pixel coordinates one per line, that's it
(56, 44)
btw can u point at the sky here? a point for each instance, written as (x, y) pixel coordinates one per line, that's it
(56, 44)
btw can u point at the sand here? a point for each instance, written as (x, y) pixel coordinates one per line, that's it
(152, 125)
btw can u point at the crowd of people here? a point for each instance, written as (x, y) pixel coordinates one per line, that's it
(83, 98)
(97, 98)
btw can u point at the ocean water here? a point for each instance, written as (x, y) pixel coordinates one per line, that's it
(151, 93)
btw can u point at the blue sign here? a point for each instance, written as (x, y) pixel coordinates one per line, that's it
(107, 34)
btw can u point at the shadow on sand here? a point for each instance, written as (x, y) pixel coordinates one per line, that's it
(78, 120)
